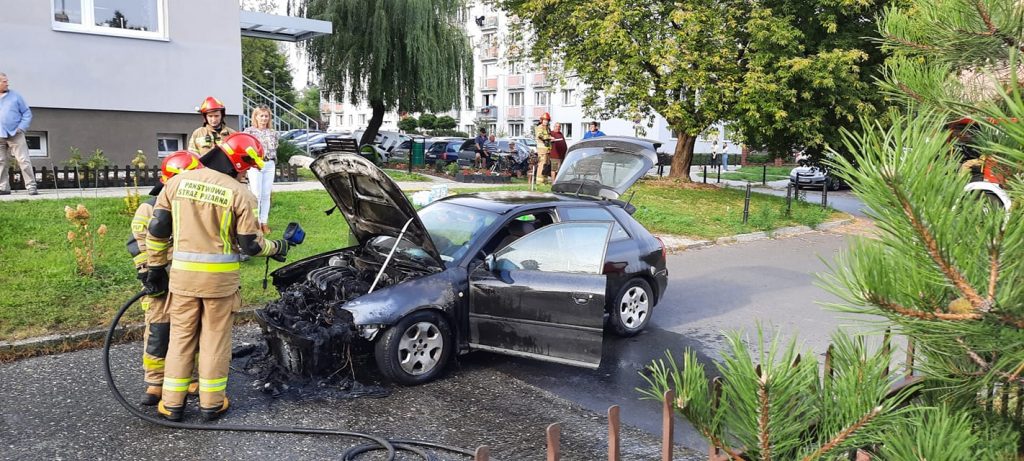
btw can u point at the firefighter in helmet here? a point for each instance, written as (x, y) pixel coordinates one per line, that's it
(157, 322)
(209, 216)
(543, 134)
(213, 131)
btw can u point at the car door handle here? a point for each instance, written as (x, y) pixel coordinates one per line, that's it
(582, 298)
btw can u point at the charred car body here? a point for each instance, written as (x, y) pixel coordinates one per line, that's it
(529, 274)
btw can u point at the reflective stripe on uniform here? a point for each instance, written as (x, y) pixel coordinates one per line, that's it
(140, 259)
(269, 248)
(175, 219)
(206, 257)
(156, 245)
(140, 224)
(176, 384)
(204, 267)
(145, 303)
(152, 363)
(213, 385)
(225, 230)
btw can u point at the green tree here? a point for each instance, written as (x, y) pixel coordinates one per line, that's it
(259, 55)
(808, 73)
(309, 103)
(679, 59)
(428, 122)
(408, 124)
(404, 55)
(445, 122)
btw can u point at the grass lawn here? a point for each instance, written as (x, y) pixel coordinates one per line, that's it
(752, 173)
(40, 292)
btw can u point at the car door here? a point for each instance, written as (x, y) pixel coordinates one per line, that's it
(467, 152)
(543, 296)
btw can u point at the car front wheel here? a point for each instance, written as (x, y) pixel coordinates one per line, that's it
(632, 309)
(416, 349)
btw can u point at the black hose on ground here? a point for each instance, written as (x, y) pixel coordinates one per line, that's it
(378, 443)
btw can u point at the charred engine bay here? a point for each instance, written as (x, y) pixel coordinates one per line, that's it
(309, 335)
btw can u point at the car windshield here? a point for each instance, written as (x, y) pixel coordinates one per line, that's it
(383, 244)
(452, 227)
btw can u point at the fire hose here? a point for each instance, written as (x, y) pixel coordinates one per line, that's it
(375, 443)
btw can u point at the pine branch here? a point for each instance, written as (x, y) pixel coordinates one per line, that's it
(762, 420)
(994, 31)
(908, 43)
(718, 443)
(951, 273)
(993, 271)
(844, 434)
(923, 315)
(909, 92)
(984, 365)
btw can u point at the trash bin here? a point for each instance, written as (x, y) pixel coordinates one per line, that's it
(418, 152)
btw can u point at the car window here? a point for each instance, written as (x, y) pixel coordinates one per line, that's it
(594, 214)
(454, 146)
(468, 145)
(566, 247)
(406, 145)
(452, 227)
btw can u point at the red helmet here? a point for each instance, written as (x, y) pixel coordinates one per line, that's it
(178, 162)
(211, 104)
(546, 116)
(244, 150)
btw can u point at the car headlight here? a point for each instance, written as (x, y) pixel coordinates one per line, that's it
(368, 332)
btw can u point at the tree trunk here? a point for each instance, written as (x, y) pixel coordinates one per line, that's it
(682, 158)
(375, 122)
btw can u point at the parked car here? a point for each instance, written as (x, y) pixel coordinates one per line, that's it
(814, 176)
(521, 273)
(446, 149)
(467, 152)
(401, 152)
(529, 141)
(301, 139)
(318, 144)
(291, 134)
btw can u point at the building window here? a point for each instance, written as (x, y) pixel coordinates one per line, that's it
(123, 18)
(515, 129)
(541, 98)
(166, 144)
(488, 100)
(567, 130)
(515, 99)
(362, 119)
(36, 141)
(469, 102)
(350, 120)
(469, 128)
(492, 127)
(568, 97)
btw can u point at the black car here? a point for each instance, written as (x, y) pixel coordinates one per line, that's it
(467, 151)
(446, 150)
(522, 273)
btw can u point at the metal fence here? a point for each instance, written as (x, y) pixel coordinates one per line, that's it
(111, 176)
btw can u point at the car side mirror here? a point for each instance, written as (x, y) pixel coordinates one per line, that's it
(489, 263)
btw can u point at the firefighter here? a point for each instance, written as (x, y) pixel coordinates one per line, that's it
(209, 215)
(157, 322)
(213, 131)
(543, 135)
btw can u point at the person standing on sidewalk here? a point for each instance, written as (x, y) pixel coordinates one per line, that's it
(213, 131)
(594, 132)
(543, 135)
(15, 118)
(261, 181)
(209, 216)
(157, 321)
(558, 149)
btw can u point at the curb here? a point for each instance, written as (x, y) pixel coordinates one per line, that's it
(675, 244)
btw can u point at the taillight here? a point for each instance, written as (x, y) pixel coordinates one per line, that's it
(664, 251)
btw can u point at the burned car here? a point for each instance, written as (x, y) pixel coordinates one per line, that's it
(529, 274)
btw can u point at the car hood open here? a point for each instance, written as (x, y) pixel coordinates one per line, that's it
(371, 202)
(605, 167)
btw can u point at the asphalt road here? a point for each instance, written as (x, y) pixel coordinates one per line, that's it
(58, 407)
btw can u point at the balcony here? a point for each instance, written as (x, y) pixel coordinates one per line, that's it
(515, 112)
(540, 110)
(489, 53)
(514, 81)
(487, 113)
(489, 84)
(488, 23)
(540, 79)
(328, 107)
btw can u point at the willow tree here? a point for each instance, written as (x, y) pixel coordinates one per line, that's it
(404, 55)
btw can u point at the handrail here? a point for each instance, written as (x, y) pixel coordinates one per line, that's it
(282, 109)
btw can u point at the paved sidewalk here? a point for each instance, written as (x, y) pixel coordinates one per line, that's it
(66, 194)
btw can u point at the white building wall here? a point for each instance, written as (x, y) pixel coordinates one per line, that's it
(201, 56)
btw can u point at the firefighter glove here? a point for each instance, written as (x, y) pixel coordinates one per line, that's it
(156, 281)
(282, 250)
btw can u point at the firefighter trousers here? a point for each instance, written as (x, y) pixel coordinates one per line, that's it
(155, 338)
(542, 161)
(203, 323)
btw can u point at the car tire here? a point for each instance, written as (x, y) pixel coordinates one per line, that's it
(833, 184)
(631, 309)
(416, 349)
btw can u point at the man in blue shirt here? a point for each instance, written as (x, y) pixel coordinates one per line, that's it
(594, 132)
(15, 117)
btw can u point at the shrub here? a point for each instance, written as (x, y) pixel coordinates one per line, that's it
(452, 169)
(439, 166)
(286, 149)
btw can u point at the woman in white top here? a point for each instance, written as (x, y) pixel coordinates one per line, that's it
(261, 181)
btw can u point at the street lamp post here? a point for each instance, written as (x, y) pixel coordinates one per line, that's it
(273, 90)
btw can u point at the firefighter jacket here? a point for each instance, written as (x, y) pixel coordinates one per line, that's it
(140, 231)
(211, 217)
(543, 136)
(205, 138)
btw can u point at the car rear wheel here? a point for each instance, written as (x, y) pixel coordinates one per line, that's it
(416, 349)
(632, 309)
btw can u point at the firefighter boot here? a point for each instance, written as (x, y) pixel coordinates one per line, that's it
(211, 414)
(151, 396)
(170, 413)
